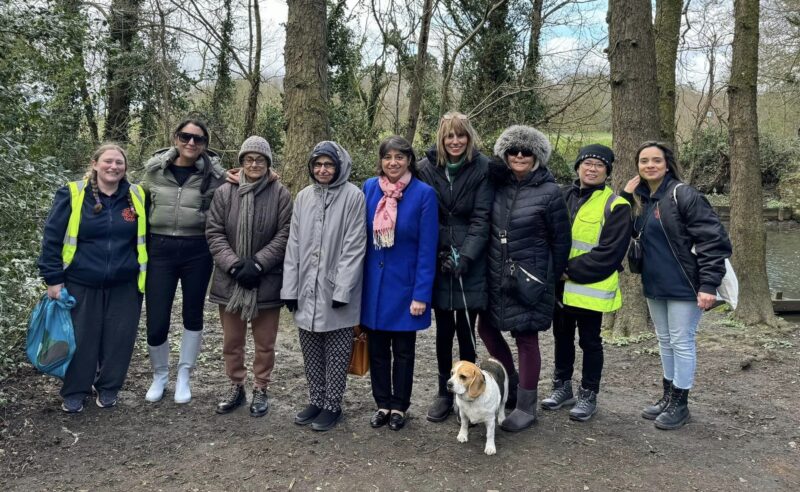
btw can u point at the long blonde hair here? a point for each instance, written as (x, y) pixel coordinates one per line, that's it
(91, 174)
(457, 123)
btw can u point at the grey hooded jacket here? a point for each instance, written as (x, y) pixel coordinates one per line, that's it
(325, 252)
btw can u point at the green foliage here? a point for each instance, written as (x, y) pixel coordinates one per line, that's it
(25, 199)
(705, 159)
(270, 125)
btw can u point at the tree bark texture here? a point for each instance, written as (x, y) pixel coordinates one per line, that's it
(532, 58)
(634, 110)
(667, 29)
(747, 225)
(305, 87)
(418, 80)
(255, 74)
(122, 29)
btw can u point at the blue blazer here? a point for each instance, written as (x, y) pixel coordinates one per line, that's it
(395, 276)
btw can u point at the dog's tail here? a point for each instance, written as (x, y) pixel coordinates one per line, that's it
(498, 372)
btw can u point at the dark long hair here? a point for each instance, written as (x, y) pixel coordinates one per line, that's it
(400, 144)
(669, 156)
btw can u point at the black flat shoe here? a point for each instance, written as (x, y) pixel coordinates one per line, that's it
(379, 419)
(326, 420)
(397, 421)
(307, 415)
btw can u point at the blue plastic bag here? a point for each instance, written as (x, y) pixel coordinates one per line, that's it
(51, 338)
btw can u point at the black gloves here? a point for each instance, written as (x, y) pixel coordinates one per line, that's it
(338, 304)
(236, 267)
(291, 304)
(449, 266)
(249, 275)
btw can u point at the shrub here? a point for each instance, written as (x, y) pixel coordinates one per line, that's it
(25, 200)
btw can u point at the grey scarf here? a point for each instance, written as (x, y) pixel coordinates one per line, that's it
(243, 300)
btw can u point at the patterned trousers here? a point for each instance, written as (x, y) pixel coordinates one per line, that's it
(326, 357)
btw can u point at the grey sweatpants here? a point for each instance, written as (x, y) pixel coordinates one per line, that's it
(105, 322)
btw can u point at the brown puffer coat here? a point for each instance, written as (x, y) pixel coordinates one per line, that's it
(273, 213)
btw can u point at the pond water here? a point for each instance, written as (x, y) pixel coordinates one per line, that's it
(783, 259)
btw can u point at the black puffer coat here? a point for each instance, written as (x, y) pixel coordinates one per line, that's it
(464, 207)
(534, 214)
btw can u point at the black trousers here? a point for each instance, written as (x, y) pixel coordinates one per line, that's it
(449, 323)
(391, 367)
(565, 319)
(105, 321)
(171, 259)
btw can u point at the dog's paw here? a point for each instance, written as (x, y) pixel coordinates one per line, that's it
(489, 449)
(462, 437)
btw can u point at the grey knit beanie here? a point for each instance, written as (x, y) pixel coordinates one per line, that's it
(523, 138)
(256, 144)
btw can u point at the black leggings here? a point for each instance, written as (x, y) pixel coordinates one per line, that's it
(449, 323)
(172, 259)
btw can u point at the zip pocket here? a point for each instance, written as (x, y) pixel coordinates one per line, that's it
(530, 276)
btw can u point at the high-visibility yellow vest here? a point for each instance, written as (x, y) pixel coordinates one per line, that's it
(603, 296)
(77, 190)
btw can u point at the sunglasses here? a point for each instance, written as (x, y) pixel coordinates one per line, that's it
(186, 137)
(457, 116)
(516, 151)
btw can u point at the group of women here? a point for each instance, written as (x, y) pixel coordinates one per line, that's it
(479, 242)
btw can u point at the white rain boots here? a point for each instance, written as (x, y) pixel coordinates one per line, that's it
(190, 347)
(159, 359)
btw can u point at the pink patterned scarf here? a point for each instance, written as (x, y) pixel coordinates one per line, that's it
(385, 218)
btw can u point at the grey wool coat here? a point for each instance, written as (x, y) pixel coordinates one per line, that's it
(325, 254)
(272, 206)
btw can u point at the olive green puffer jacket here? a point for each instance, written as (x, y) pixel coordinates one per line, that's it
(180, 210)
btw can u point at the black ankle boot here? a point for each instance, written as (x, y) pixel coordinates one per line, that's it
(442, 405)
(677, 412)
(513, 382)
(652, 411)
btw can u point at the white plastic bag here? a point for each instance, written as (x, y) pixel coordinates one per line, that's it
(728, 290)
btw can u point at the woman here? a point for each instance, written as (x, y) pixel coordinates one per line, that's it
(528, 251)
(684, 248)
(322, 276)
(457, 171)
(399, 268)
(94, 245)
(248, 226)
(180, 182)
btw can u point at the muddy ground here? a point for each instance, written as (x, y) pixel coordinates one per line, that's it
(744, 434)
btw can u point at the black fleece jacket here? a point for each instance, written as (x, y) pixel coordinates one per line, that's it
(605, 258)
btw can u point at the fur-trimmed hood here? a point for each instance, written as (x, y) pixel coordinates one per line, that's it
(524, 137)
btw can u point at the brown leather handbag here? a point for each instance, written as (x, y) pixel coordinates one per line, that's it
(359, 360)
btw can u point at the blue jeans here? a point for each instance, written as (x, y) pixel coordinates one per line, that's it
(676, 326)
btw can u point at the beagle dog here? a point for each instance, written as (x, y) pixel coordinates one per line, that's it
(480, 396)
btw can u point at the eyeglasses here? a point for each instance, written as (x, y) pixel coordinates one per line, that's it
(255, 161)
(330, 166)
(593, 165)
(186, 137)
(516, 151)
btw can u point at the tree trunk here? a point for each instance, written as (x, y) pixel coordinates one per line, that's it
(122, 29)
(418, 79)
(305, 87)
(634, 119)
(532, 59)
(255, 75)
(667, 29)
(747, 224)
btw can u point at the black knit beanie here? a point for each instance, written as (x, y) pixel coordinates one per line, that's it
(596, 151)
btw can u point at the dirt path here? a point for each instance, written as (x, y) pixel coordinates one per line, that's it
(744, 435)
